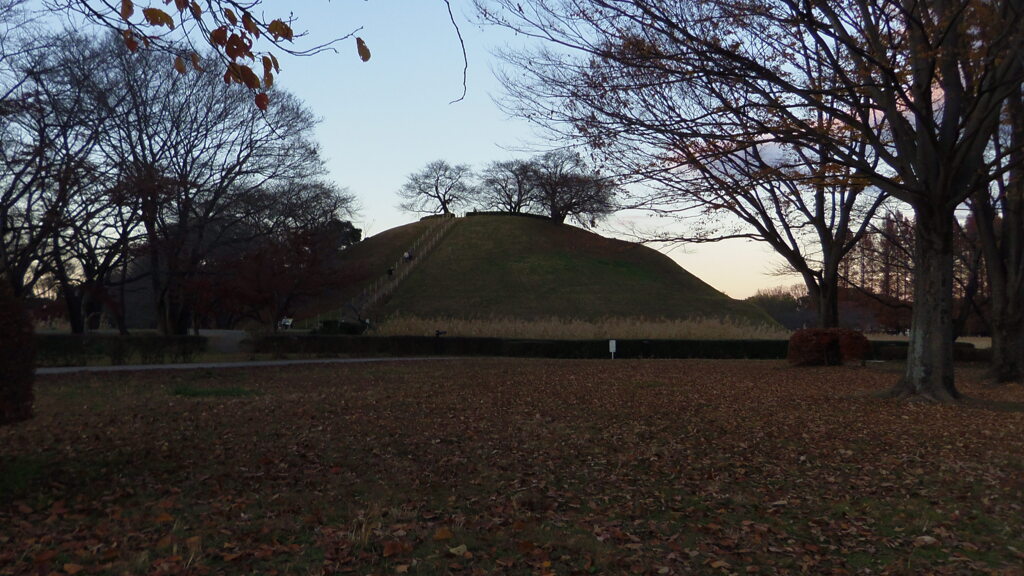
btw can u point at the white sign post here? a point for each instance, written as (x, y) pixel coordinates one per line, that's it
(611, 348)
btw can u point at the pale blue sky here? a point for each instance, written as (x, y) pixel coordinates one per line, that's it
(389, 117)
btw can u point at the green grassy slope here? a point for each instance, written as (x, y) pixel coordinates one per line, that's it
(505, 266)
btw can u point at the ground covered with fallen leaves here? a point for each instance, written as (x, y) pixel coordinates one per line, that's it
(512, 467)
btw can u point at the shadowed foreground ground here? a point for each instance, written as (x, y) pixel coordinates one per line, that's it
(512, 466)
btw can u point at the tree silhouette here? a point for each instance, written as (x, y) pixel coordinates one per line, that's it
(566, 187)
(437, 189)
(507, 186)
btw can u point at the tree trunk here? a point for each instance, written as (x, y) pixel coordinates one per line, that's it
(93, 308)
(161, 307)
(122, 310)
(825, 297)
(828, 304)
(1004, 252)
(968, 304)
(929, 371)
(160, 304)
(1008, 340)
(116, 310)
(182, 317)
(73, 302)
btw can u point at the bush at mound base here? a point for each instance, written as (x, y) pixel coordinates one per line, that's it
(17, 355)
(827, 347)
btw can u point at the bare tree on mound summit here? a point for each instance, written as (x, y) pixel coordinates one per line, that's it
(437, 189)
(567, 188)
(507, 186)
(913, 100)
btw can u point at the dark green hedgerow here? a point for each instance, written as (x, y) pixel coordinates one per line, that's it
(80, 350)
(333, 345)
(459, 346)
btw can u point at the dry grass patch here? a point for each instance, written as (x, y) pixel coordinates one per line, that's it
(512, 466)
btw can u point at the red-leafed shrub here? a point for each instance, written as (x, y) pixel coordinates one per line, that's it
(17, 351)
(827, 347)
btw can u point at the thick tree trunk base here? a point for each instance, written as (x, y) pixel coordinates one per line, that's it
(929, 374)
(1007, 377)
(905, 392)
(1008, 353)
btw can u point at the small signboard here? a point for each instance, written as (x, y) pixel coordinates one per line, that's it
(611, 348)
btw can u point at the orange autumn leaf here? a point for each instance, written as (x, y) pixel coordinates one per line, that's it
(392, 547)
(157, 17)
(279, 30)
(363, 50)
(127, 9)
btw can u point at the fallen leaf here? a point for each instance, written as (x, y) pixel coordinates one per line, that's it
(44, 557)
(392, 547)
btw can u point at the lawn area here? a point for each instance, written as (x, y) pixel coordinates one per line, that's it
(512, 466)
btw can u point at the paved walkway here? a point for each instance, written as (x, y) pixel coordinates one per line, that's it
(218, 365)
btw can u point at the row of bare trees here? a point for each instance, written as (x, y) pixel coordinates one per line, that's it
(559, 184)
(129, 173)
(876, 282)
(798, 119)
(881, 266)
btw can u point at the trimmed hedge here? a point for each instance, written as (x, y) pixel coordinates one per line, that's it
(646, 348)
(331, 345)
(80, 350)
(323, 345)
(335, 345)
(827, 347)
(77, 350)
(896, 350)
(340, 327)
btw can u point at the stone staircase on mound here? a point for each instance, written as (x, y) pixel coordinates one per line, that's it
(377, 292)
